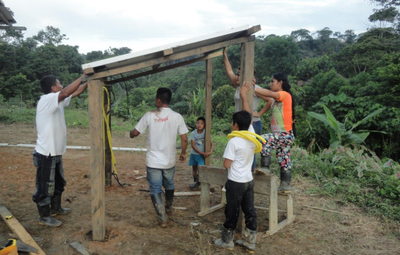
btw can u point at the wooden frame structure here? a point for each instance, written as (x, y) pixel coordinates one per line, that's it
(263, 184)
(151, 61)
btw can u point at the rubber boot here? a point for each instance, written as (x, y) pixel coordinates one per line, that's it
(160, 209)
(169, 199)
(45, 218)
(265, 163)
(226, 240)
(249, 240)
(56, 208)
(196, 184)
(286, 176)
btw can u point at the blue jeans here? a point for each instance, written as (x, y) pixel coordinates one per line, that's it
(258, 129)
(49, 178)
(157, 178)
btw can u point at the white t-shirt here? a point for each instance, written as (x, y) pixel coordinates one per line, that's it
(241, 152)
(164, 126)
(50, 125)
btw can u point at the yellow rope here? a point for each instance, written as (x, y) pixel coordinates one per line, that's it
(249, 136)
(105, 116)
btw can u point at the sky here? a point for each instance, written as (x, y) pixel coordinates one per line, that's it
(143, 24)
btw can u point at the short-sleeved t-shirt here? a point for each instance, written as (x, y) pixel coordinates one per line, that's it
(281, 120)
(256, 99)
(198, 140)
(164, 125)
(50, 125)
(241, 152)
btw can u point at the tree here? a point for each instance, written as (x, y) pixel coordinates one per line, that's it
(50, 36)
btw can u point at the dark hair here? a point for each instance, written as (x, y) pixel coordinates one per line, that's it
(242, 119)
(286, 87)
(201, 118)
(164, 94)
(47, 82)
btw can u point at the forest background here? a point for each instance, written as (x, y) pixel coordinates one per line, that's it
(346, 88)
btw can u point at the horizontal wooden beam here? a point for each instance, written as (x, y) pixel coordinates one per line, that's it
(219, 176)
(175, 56)
(164, 68)
(168, 52)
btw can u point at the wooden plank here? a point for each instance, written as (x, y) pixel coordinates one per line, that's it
(212, 209)
(289, 208)
(204, 197)
(107, 124)
(189, 193)
(267, 209)
(253, 29)
(208, 88)
(168, 52)
(18, 229)
(219, 176)
(281, 225)
(273, 205)
(247, 69)
(164, 68)
(88, 71)
(97, 176)
(176, 56)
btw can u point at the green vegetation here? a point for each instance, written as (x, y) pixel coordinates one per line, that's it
(346, 87)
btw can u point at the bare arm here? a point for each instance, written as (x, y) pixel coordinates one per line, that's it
(243, 92)
(184, 144)
(70, 89)
(266, 107)
(228, 69)
(227, 163)
(80, 90)
(134, 133)
(260, 92)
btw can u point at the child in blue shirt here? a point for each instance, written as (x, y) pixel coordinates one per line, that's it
(197, 153)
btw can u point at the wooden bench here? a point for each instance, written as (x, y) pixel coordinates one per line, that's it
(263, 184)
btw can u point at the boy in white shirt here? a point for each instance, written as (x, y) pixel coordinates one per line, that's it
(239, 154)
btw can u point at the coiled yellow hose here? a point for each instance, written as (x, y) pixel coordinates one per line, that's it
(249, 136)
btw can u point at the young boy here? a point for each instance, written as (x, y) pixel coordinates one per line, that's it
(238, 155)
(197, 153)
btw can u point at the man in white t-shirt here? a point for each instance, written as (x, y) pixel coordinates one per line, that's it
(164, 125)
(51, 145)
(238, 158)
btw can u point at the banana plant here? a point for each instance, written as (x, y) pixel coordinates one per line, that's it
(339, 135)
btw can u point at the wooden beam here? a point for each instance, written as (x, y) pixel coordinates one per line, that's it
(247, 69)
(208, 86)
(18, 229)
(168, 52)
(164, 68)
(176, 56)
(97, 176)
(219, 176)
(88, 71)
(253, 29)
(108, 168)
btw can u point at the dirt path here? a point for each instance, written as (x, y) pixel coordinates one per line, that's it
(131, 222)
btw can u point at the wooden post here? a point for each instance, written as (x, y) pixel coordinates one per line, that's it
(108, 160)
(208, 86)
(97, 175)
(247, 69)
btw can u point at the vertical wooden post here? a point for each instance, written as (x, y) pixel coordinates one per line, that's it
(247, 69)
(273, 205)
(108, 161)
(97, 175)
(208, 86)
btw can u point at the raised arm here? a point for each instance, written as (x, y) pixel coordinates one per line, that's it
(70, 89)
(261, 93)
(243, 92)
(80, 90)
(228, 69)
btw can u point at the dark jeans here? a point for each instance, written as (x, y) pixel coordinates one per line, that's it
(49, 178)
(257, 125)
(240, 195)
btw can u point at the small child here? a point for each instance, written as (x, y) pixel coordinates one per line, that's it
(238, 159)
(197, 153)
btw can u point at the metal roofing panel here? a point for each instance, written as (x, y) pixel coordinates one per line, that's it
(182, 46)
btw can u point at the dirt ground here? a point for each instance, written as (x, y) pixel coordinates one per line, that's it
(131, 222)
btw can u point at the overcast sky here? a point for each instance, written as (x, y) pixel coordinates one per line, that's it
(143, 24)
